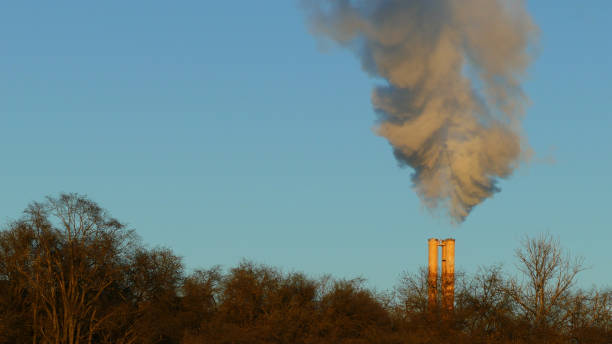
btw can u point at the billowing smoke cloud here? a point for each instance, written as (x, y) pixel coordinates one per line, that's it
(452, 103)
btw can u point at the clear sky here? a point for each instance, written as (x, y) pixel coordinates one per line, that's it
(220, 130)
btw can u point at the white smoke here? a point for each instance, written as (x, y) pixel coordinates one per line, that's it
(452, 103)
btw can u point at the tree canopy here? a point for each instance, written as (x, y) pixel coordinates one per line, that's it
(71, 273)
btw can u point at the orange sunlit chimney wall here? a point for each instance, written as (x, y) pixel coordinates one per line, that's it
(448, 274)
(432, 277)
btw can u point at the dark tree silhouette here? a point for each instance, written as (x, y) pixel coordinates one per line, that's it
(70, 273)
(63, 255)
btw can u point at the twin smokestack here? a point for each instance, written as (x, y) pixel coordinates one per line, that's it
(448, 273)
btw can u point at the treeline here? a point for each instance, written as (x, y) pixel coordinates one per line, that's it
(70, 273)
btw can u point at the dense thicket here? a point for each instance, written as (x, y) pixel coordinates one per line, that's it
(70, 273)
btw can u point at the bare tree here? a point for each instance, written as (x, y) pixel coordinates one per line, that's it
(483, 309)
(73, 254)
(412, 292)
(549, 273)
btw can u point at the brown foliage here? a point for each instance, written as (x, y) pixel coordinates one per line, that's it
(69, 273)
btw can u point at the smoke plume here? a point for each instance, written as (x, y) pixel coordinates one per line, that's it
(451, 103)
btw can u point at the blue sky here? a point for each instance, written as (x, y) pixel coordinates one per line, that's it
(220, 130)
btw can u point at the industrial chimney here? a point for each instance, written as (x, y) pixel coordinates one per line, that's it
(432, 277)
(448, 273)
